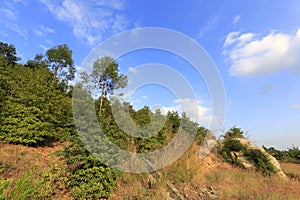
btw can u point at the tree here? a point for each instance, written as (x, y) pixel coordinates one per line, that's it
(105, 77)
(61, 63)
(38, 61)
(34, 109)
(8, 53)
(234, 132)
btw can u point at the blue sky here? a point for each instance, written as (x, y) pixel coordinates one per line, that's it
(255, 45)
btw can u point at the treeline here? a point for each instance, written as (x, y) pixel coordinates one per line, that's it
(290, 155)
(36, 109)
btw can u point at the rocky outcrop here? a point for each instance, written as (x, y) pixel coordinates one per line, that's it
(247, 164)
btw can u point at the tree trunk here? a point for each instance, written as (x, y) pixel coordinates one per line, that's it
(55, 73)
(101, 100)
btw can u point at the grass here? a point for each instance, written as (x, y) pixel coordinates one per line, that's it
(241, 184)
(192, 175)
(38, 173)
(23, 187)
(31, 173)
(292, 170)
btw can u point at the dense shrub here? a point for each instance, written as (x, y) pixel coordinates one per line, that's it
(260, 161)
(35, 107)
(230, 144)
(87, 177)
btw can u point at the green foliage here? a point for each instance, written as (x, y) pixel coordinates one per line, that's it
(179, 174)
(104, 77)
(291, 155)
(230, 146)
(279, 155)
(32, 184)
(260, 161)
(88, 178)
(34, 109)
(24, 187)
(61, 62)
(8, 53)
(234, 132)
(294, 152)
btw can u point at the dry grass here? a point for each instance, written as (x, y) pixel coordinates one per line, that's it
(292, 170)
(190, 175)
(16, 159)
(24, 163)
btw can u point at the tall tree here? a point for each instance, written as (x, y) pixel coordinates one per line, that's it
(8, 53)
(105, 77)
(61, 63)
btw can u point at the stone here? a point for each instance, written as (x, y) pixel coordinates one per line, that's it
(249, 145)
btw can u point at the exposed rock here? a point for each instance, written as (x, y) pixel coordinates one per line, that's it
(207, 146)
(242, 160)
(246, 143)
(209, 193)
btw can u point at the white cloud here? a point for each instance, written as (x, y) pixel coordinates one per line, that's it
(9, 18)
(47, 29)
(295, 106)
(133, 70)
(208, 26)
(43, 47)
(238, 38)
(236, 19)
(231, 38)
(89, 20)
(251, 55)
(194, 109)
(4, 34)
(17, 29)
(43, 30)
(115, 4)
(9, 14)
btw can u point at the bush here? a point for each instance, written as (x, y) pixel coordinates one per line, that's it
(230, 144)
(260, 161)
(87, 177)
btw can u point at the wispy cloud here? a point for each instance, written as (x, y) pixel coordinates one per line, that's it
(252, 55)
(37, 32)
(9, 19)
(211, 22)
(133, 70)
(295, 106)
(47, 29)
(8, 14)
(4, 34)
(18, 29)
(236, 19)
(267, 88)
(20, 1)
(43, 30)
(43, 47)
(90, 21)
